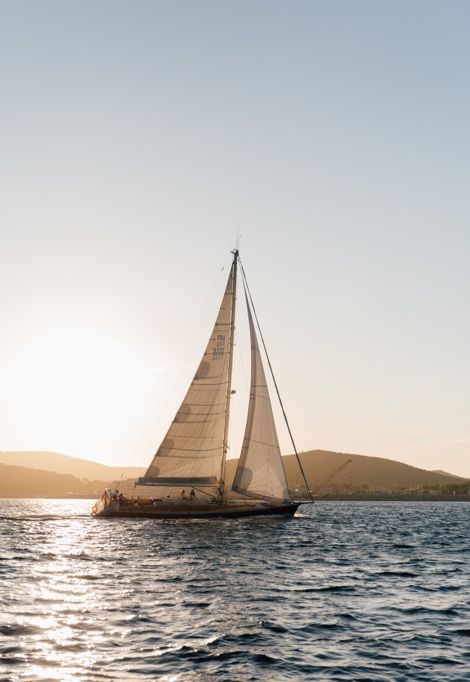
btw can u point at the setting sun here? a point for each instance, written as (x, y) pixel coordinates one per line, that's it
(83, 387)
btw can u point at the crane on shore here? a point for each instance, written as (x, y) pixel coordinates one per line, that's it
(334, 473)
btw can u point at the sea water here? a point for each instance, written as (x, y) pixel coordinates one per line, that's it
(343, 591)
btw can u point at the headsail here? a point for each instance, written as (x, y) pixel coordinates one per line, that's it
(260, 471)
(192, 451)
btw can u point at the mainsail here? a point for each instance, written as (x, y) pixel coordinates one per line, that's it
(193, 450)
(260, 471)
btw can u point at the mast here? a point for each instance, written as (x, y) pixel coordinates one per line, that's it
(230, 364)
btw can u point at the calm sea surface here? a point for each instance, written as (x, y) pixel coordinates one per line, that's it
(344, 591)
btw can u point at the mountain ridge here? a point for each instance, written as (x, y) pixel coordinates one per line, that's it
(325, 470)
(445, 473)
(325, 467)
(59, 463)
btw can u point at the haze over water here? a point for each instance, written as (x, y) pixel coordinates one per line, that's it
(343, 591)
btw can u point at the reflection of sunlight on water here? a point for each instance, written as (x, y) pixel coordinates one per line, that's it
(100, 593)
(66, 640)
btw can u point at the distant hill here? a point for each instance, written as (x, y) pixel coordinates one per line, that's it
(64, 464)
(324, 470)
(26, 482)
(457, 479)
(322, 467)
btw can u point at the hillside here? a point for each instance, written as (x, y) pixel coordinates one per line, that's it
(18, 481)
(375, 472)
(325, 471)
(446, 473)
(64, 464)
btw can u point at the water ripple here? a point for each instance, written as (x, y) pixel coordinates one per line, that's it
(363, 591)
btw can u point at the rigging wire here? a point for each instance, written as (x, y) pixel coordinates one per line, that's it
(245, 283)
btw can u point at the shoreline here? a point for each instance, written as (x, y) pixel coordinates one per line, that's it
(393, 498)
(332, 498)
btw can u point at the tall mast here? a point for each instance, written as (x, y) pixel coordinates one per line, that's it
(230, 363)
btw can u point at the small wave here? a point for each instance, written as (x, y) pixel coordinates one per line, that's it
(8, 650)
(414, 610)
(17, 630)
(45, 517)
(274, 627)
(443, 660)
(438, 588)
(90, 577)
(11, 661)
(328, 588)
(265, 659)
(318, 627)
(399, 545)
(70, 648)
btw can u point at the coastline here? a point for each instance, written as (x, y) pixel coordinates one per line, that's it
(333, 498)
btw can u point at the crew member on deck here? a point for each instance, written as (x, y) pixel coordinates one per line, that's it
(183, 495)
(192, 494)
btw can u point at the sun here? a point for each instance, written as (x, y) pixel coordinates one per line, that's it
(76, 391)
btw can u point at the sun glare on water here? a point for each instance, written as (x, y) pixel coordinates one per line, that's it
(76, 392)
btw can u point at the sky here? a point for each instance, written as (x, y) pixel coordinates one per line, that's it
(138, 139)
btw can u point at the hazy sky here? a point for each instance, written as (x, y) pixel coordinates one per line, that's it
(137, 138)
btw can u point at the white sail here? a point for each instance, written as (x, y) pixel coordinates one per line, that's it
(193, 449)
(260, 471)
(192, 454)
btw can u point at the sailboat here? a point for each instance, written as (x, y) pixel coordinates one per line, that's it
(189, 469)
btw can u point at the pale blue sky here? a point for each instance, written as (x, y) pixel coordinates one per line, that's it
(136, 138)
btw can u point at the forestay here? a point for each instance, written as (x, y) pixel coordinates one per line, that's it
(192, 451)
(260, 471)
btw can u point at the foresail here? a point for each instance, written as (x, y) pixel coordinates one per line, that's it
(260, 471)
(191, 452)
